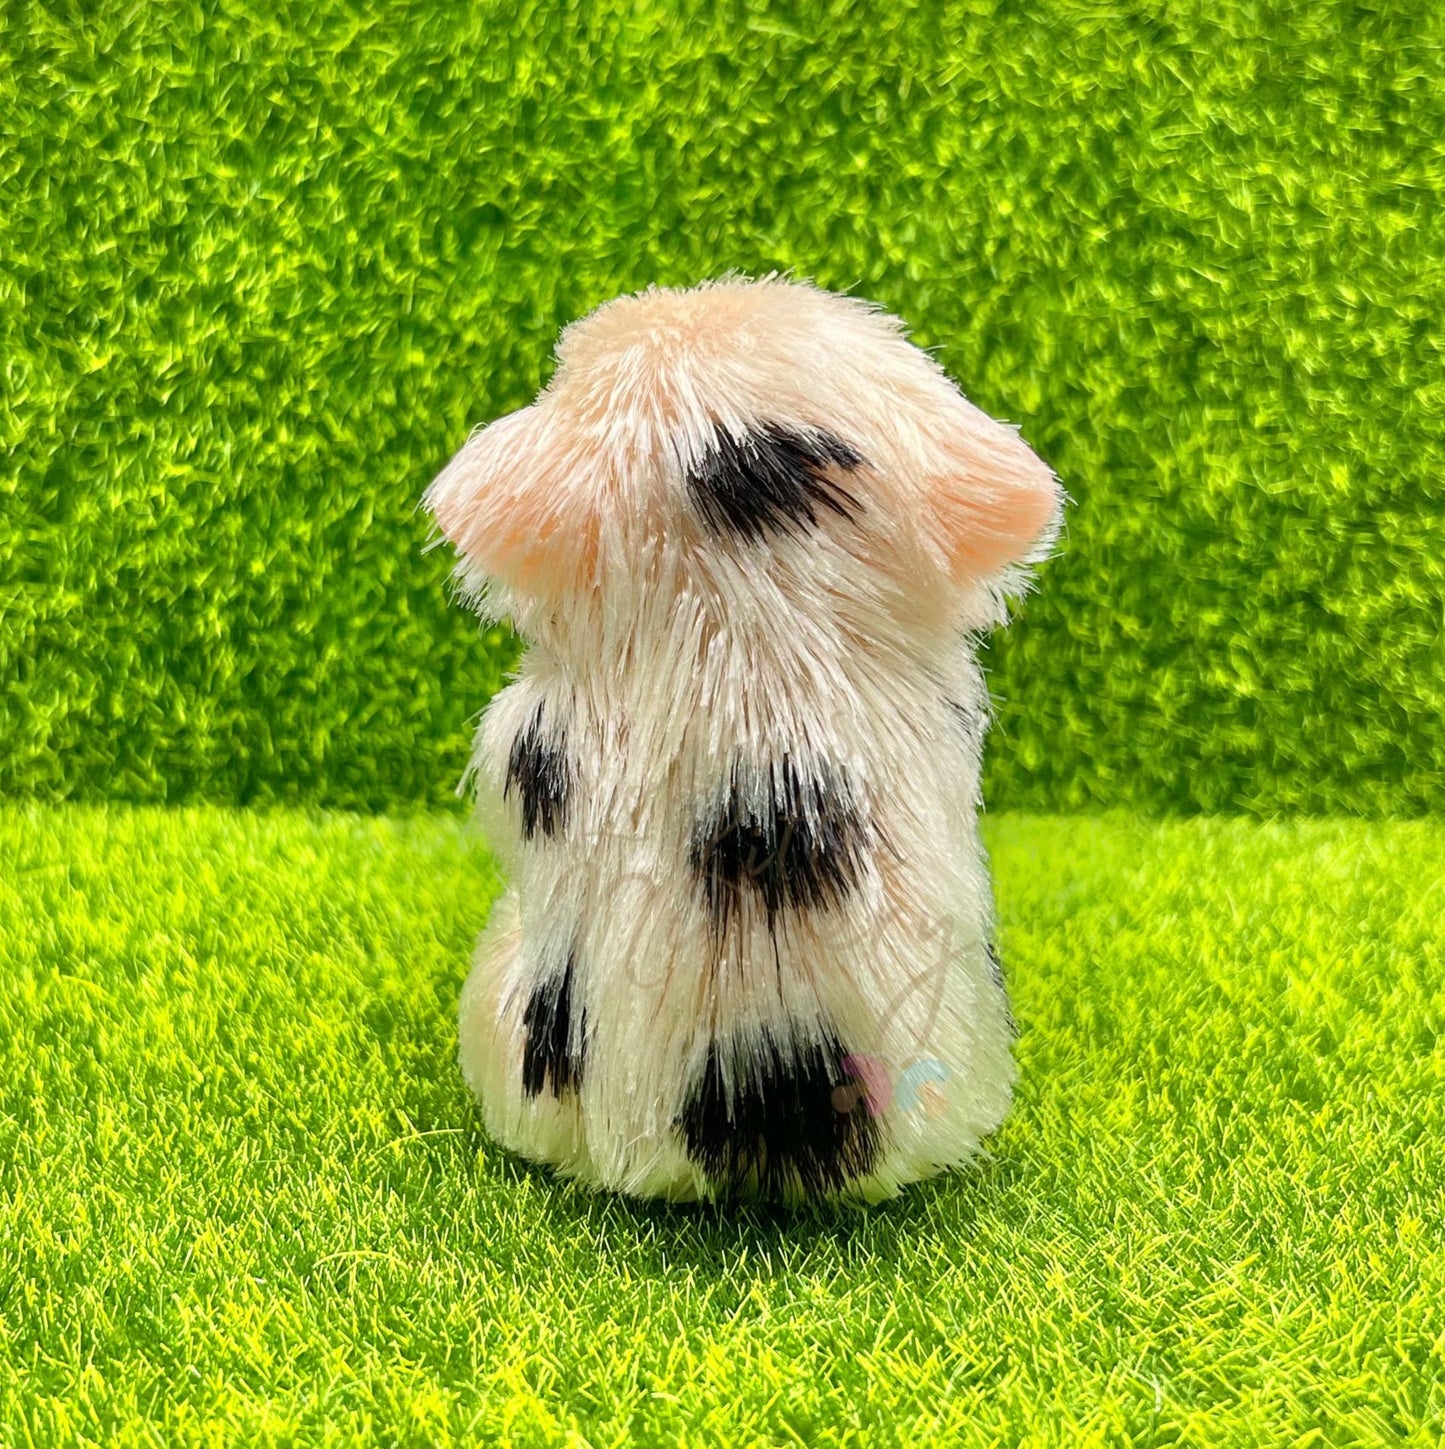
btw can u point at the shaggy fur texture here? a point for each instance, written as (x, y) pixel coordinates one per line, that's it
(750, 533)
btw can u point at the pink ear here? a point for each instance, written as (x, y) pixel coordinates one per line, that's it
(509, 501)
(995, 500)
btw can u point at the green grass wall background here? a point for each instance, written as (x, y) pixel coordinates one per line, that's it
(262, 265)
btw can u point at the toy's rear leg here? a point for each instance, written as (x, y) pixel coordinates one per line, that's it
(515, 1048)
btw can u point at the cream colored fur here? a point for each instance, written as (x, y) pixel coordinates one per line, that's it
(669, 653)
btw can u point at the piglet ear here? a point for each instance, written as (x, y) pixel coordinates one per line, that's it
(995, 502)
(515, 505)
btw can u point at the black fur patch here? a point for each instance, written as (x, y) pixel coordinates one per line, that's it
(549, 1058)
(808, 849)
(995, 970)
(541, 773)
(774, 479)
(776, 1124)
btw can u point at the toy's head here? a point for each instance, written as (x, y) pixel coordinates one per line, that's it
(784, 427)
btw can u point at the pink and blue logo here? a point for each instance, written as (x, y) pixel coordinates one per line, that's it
(918, 1088)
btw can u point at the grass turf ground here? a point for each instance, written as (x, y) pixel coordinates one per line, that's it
(246, 1199)
(264, 262)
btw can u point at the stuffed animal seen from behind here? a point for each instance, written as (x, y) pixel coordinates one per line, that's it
(750, 534)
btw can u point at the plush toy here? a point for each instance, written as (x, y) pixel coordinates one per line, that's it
(751, 534)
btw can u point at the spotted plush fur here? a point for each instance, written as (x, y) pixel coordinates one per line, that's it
(751, 535)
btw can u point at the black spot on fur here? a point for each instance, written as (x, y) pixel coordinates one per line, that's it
(806, 848)
(540, 772)
(773, 1124)
(549, 1056)
(995, 970)
(774, 479)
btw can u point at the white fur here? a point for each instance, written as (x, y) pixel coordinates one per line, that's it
(670, 653)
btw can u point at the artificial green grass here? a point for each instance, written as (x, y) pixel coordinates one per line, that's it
(263, 264)
(246, 1199)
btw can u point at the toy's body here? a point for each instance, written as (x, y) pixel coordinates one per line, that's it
(748, 531)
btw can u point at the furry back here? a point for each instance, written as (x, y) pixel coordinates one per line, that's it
(750, 534)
